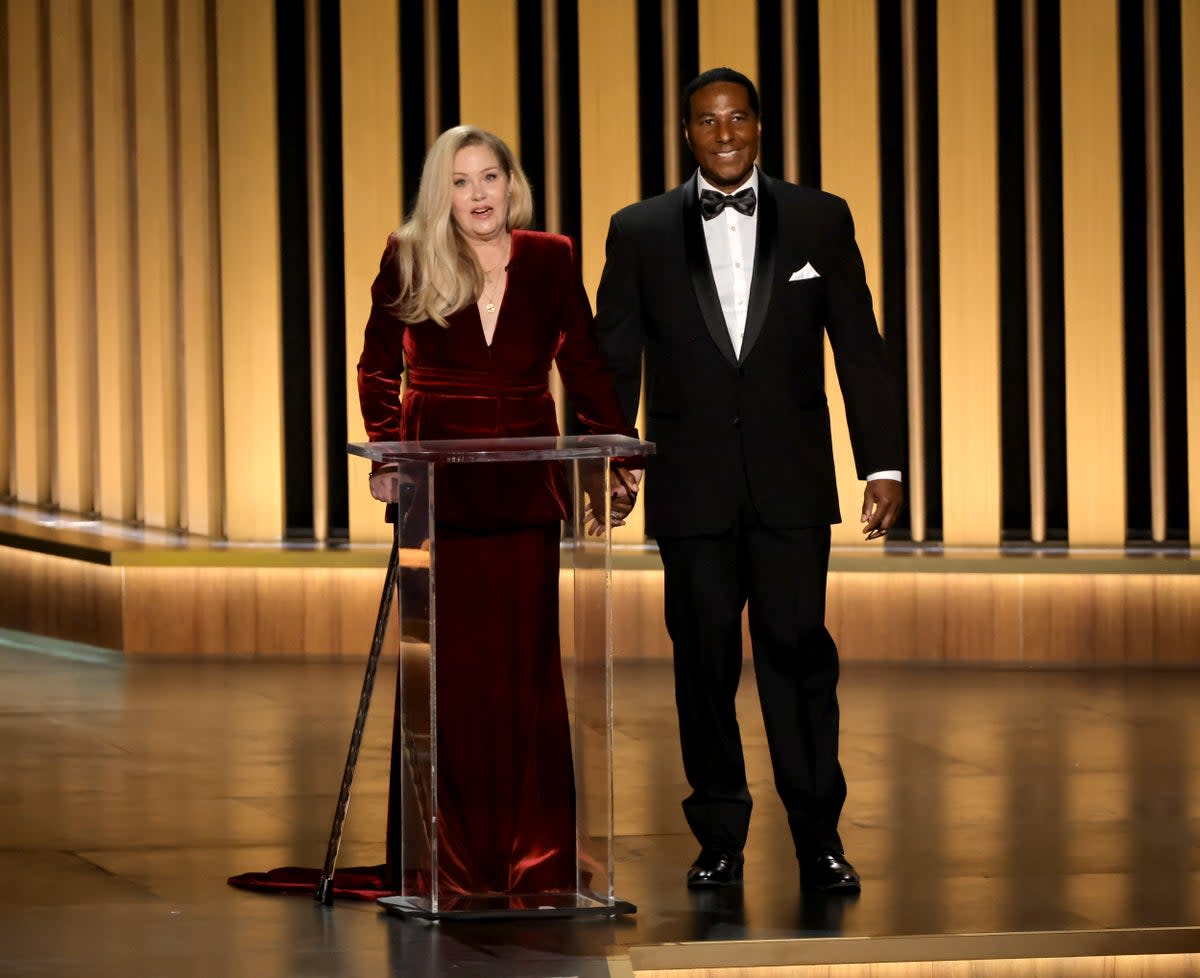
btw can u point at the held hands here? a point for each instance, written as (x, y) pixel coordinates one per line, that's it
(385, 485)
(624, 483)
(624, 489)
(882, 501)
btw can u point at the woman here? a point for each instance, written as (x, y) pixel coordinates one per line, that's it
(476, 309)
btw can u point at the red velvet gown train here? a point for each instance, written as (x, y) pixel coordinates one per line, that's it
(506, 804)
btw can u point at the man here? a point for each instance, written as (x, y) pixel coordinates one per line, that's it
(728, 284)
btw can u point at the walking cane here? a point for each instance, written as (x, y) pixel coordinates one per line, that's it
(397, 515)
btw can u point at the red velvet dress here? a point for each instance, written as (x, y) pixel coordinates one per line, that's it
(506, 813)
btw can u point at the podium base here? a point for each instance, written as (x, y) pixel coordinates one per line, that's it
(503, 906)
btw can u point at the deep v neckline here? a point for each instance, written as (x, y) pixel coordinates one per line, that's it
(512, 257)
(499, 311)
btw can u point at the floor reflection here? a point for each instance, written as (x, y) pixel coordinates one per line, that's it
(980, 801)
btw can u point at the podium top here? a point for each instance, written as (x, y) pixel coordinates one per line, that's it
(504, 449)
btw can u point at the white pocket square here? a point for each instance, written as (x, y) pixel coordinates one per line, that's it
(806, 272)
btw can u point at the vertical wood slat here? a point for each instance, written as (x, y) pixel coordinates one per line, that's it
(372, 201)
(970, 262)
(552, 193)
(72, 270)
(488, 95)
(249, 268)
(912, 277)
(1190, 38)
(608, 97)
(28, 167)
(791, 102)
(850, 161)
(113, 248)
(198, 299)
(1155, 336)
(1035, 320)
(1092, 273)
(8, 414)
(316, 262)
(729, 37)
(608, 101)
(433, 72)
(671, 106)
(157, 285)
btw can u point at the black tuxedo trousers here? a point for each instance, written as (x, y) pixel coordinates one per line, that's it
(779, 575)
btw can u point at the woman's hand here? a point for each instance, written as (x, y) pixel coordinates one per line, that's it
(385, 485)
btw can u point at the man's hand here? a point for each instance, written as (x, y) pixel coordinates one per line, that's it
(623, 485)
(882, 502)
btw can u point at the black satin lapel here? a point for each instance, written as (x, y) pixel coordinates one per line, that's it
(765, 248)
(701, 271)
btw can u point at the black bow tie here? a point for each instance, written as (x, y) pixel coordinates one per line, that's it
(712, 202)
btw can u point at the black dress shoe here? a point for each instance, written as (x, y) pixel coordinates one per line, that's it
(829, 871)
(715, 867)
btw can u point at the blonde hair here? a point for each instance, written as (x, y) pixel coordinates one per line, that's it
(438, 271)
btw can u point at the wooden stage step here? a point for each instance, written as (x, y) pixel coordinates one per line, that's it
(1171, 952)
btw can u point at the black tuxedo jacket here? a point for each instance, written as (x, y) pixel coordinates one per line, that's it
(715, 416)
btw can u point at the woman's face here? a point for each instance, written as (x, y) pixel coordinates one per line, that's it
(479, 204)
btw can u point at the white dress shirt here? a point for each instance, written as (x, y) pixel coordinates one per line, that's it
(730, 237)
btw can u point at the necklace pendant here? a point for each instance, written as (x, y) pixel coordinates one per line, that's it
(490, 307)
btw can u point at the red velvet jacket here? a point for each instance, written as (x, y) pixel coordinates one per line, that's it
(460, 387)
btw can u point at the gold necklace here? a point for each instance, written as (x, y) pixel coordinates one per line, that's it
(489, 290)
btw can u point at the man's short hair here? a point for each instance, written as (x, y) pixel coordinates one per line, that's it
(710, 77)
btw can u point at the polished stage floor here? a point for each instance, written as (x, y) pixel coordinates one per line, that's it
(981, 801)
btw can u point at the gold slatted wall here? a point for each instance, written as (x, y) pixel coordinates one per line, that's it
(140, 295)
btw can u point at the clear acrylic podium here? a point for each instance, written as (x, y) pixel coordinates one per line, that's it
(485, 470)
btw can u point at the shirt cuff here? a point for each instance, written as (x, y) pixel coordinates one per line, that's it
(893, 474)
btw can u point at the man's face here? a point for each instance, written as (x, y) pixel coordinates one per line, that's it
(722, 132)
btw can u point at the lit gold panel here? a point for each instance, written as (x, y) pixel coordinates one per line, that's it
(1190, 35)
(487, 58)
(608, 100)
(729, 37)
(201, 360)
(970, 307)
(372, 203)
(7, 415)
(112, 163)
(249, 266)
(157, 278)
(60, 597)
(850, 169)
(1092, 273)
(28, 169)
(74, 414)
